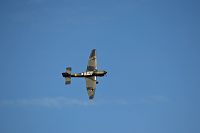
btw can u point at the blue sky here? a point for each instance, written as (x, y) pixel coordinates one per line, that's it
(150, 49)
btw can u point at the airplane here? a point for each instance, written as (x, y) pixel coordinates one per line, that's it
(90, 74)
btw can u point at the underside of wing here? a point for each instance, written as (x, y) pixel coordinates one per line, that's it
(92, 62)
(91, 86)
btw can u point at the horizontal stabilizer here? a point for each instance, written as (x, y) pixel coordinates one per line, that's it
(68, 70)
(68, 80)
(67, 75)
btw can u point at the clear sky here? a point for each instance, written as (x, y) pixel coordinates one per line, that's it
(150, 49)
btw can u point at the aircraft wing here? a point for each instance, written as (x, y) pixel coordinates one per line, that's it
(91, 86)
(92, 62)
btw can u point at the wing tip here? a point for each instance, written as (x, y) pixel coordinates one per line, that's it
(93, 53)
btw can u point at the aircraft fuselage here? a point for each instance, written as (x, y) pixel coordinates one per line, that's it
(85, 74)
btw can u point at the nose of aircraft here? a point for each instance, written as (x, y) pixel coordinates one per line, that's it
(105, 72)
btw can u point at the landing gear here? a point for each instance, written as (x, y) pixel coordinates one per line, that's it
(97, 82)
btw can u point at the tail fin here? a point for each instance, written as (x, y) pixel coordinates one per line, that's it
(67, 75)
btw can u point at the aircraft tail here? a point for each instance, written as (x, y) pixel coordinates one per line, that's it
(68, 70)
(67, 80)
(67, 75)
